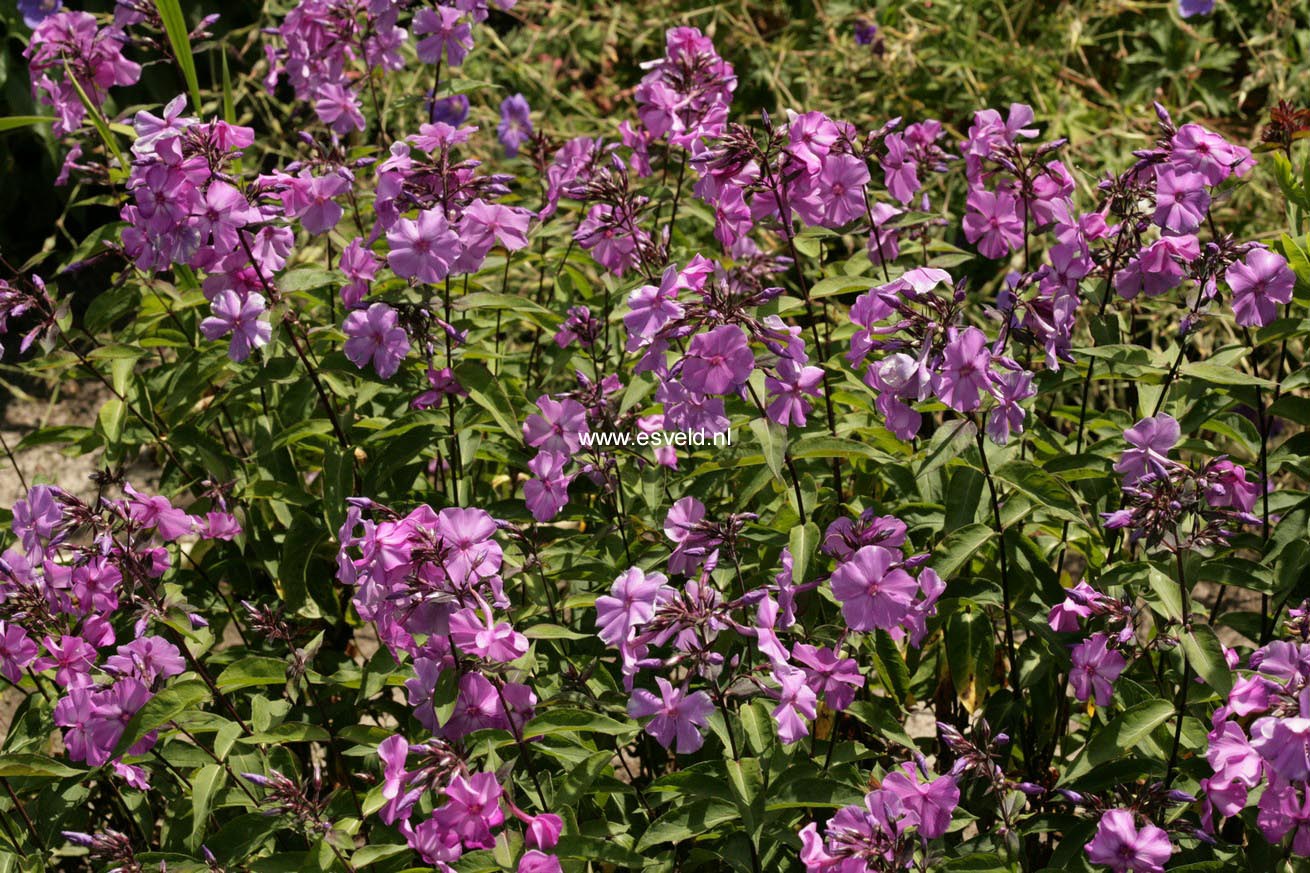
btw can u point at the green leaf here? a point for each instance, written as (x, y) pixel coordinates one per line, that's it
(1206, 655)
(947, 443)
(22, 764)
(205, 785)
(488, 392)
(520, 307)
(1049, 492)
(595, 849)
(563, 721)
(747, 783)
(686, 821)
(14, 122)
(970, 652)
(1167, 595)
(374, 853)
(1121, 734)
(958, 547)
(773, 440)
(178, 37)
(111, 418)
(1218, 374)
(288, 732)
(445, 695)
(161, 709)
(553, 632)
(250, 671)
(836, 285)
(892, 665)
(802, 542)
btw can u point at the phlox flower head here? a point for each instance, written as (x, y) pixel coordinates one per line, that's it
(678, 716)
(1123, 847)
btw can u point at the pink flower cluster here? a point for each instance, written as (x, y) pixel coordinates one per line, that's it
(1261, 739)
(643, 611)
(882, 834)
(928, 356)
(72, 44)
(430, 582)
(59, 595)
(474, 807)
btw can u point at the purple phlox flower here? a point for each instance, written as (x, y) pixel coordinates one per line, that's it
(1120, 845)
(535, 861)
(993, 223)
(765, 631)
(1009, 387)
(677, 715)
(1203, 151)
(159, 513)
(452, 110)
(148, 659)
(874, 590)
(844, 536)
(696, 541)
(810, 138)
(321, 213)
(515, 123)
(1095, 668)
(900, 170)
(476, 632)
(1080, 602)
(1158, 267)
(220, 526)
(548, 491)
(718, 361)
(834, 677)
(965, 370)
(652, 307)
(1260, 282)
(580, 325)
(632, 601)
(1282, 811)
(866, 33)
(338, 107)
(835, 196)
(373, 336)
(928, 805)
(472, 809)
(359, 265)
(541, 831)
(36, 11)
(485, 225)
(1181, 200)
(1190, 8)
(71, 656)
(446, 34)
(1284, 743)
(433, 841)
(394, 754)
(1151, 440)
(924, 607)
(612, 238)
(241, 318)
(788, 386)
(1227, 486)
(556, 428)
(796, 703)
(17, 651)
(442, 384)
(423, 249)
(37, 517)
